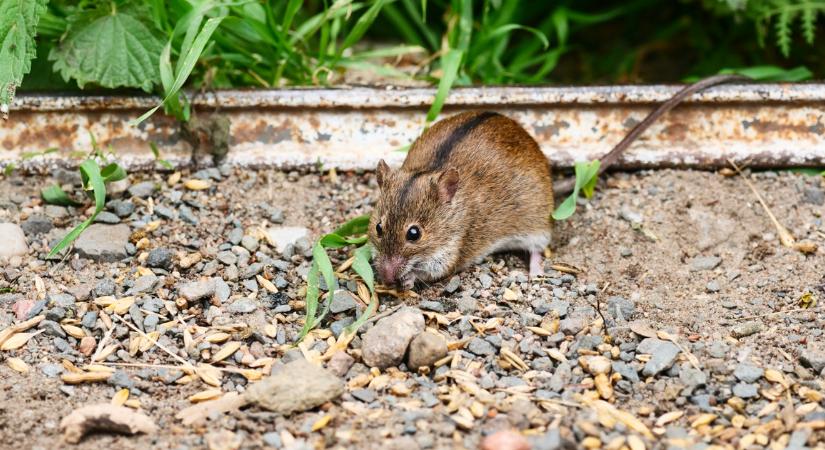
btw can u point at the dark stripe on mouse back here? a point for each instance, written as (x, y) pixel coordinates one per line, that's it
(444, 150)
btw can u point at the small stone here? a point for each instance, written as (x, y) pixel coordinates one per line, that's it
(745, 390)
(297, 386)
(747, 373)
(340, 363)
(250, 243)
(150, 323)
(165, 213)
(691, 377)
(87, 345)
(36, 224)
(55, 211)
(282, 237)
(235, 236)
(596, 365)
(197, 290)
(713, 286)
(63, 300)
(813, 196)
(12, 241)
(385, 344)
(143, 189)
(626, 371)
(560, 307)
(226, 257)
(699, 263)
(630, 215)
(467, 304)
(107, 217)
(144, 284)
(364, 395)
(561, 377)
(453, 284)
(342, 300)
(425, 349)
(746, 329)
(663, 354)
(122, 208)
(505, 440)
(105, 287)
(56, 314)
(103, 243)
(89, 319)
(160, 257)
(52, 328)
(571, 325)
(222, 291)
(187, 215)
(272, 439)
(431, 305)
(814, 357)
(621, 308)
(121, 379)
(481, 347)
(242, 305)
(51, 370)
(486, 280)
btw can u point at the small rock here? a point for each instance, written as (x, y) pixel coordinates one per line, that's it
(235, 236)
(425, 349)
(12, 241)
(813, 196)
(486, 280)
(813, 357)
(272, 439)
(105, 417)
(571, 325)
(55, 211)
(385, 344)
(36, 224)
(663, 354)
(365, 395)
(89, 319)
(747, 373)
(631, 216)
(340, 363)
(431, 305)
(146, 283)
(250, 243)
(745, 390)
(481, 347)
(505, 440)
(621, 308)
(143, 189)
(342, 300)
(746, 329)
(596, 365)
(122, 208)
(699, 263)
(105, 287)
(453, 284)
(285, 236)
(103, 243)
(692, 378)
(242, 305)
(297, 386)
(87, 345)
(160, 257)
(626, 371)
(197, 290)
(107, 217)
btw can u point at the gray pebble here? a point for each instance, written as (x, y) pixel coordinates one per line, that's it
(481, 347)
(51, 370)
(745, 390)
(747, 373)
(107, 217)
(365, 395)
(143, 189)
(453, 284)
(36, 224)
(164, 212)
(704, 263)
(160, 257)
(242, 306)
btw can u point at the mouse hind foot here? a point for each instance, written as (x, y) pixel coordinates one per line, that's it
(536, 263)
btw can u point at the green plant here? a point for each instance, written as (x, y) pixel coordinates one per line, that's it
(93, 179)
(351, 233)
(18, 25)
(587, 174)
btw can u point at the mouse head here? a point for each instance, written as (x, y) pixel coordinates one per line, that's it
(415, 227)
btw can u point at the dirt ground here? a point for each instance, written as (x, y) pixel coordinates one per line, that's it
(642, 238)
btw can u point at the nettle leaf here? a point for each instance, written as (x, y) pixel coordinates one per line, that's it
(18, 25)
(110, 47)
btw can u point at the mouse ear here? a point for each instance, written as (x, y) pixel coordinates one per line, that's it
(383, 172)
(448, 184)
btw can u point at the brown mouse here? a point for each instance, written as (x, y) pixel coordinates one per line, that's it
(473, 184)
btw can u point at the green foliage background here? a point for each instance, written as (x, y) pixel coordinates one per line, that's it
(119, 44)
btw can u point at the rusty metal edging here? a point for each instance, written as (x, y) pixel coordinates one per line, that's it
(352, 128)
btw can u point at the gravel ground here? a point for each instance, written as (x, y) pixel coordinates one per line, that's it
(677, 321)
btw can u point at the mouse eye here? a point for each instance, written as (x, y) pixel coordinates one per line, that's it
(378, 230)
(413, 233)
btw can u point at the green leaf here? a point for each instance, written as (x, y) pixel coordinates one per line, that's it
(112, 172)
(772, 73)
(586, 177)
(356, 226)
(110, 47)
(450, 63)
(506, 29)
(319, 254)
(186, 64)
(166, 164)
(362, 266)
(54, 195)
(313, 292)
(18, 25)
(361, 26)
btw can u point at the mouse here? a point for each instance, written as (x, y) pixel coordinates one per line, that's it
(473, 184)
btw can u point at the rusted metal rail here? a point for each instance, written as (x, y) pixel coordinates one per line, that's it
(769, 125)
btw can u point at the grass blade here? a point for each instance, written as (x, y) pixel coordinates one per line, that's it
(358, 225)
(362, 266)
(313, 292)
(54, 195)
(450, 63)
(319, 254)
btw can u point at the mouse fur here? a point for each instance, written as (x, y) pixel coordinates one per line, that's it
(473, 184)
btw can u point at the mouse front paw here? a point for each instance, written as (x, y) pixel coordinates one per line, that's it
(407, 281)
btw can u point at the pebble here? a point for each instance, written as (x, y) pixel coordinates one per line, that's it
(621, 308)
(813, 196)
(663, 354)
(103, 243)
(713, 286)
(285, 236)
(746, 329)
(626, 371)
(699, 263)
(453, 284)
(12, 241)
(144, 284)
(235, 236)
(813, 357)
(222, 291)
(63, 300)
(243, 305)
(55, 211)
(89, 319)
(481, 347)
(364, 395)
(747, 373)
(187, 215)
(150, 323)
(165, 213)
(340, 363)
(505, 440)
(250, 243)
(105, 287)
(36, 224)
(385, 344)
(745, 390)
(160, 257)
(272, 439)
(571, 325)
(342, 300)
(431, 305)
(143, 189)
(485, 280)
(425, 349)
(123, 208)
(297, 386)
(121, 379)
(52, 370)
(107, 217)
(196, 290)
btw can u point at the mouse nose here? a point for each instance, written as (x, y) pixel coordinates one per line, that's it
(389, 267)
